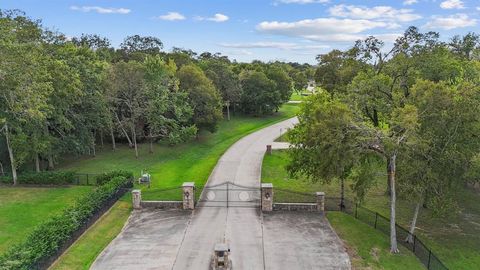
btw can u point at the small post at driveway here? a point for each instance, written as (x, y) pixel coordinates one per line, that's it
(188, 195)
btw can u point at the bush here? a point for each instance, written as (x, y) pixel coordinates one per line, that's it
(42, 178)
(47, 239)
(105, 177)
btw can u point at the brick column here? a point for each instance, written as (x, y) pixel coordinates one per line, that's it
(267, 197)
(188, 195)
(321, 201)
(136, 198)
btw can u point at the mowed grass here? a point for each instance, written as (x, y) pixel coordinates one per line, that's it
(299, 96)
(369, 248)
(83, 253)
(169, 166)
(23, 208)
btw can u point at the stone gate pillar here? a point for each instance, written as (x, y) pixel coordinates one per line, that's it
(321, 201)
(267, 197)
(188, 195)
(136, 198)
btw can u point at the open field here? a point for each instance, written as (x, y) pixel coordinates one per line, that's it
(454, 239)
(22, 208)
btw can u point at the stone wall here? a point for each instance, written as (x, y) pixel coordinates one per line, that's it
(308, 207)
(162, 204)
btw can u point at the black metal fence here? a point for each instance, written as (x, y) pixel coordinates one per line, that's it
(382, 223)
(85, 179)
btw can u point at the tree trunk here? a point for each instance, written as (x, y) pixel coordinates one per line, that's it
(342, 194)
(51, 165)
(151, 143)
(101, 138)
(393, 200)
(134, 137)
(389, 184)
(130, 144)
(113, 138)
(228, 111)
(2, 172)
(10, 154)
(37, 163)
(94, 152)
(413, 224)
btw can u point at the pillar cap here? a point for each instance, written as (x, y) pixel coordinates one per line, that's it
(320, 193)
(136, 191)
(267, 185)
(188, 184)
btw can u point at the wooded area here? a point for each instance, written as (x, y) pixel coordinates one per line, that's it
(62, 95)
(411, 113)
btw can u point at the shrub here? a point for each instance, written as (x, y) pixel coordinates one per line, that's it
(48, 238)
(104, 177)
(42, 178)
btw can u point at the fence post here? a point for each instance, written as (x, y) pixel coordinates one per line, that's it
(188, 195)
(87, 180)
(267, 197)
(376, 217)
(356, 210)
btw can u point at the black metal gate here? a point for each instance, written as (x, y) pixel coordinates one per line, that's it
(230, 195)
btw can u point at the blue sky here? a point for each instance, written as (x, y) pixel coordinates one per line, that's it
(290, 30)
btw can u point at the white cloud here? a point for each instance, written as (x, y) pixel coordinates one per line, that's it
(273, 45)
(323, 29)
(378, 12)
(240, 52)
(172, 16)
(410, 2)
(218, 17)
(303, 1)
(452, 4)
(101, 10)
(451, 22)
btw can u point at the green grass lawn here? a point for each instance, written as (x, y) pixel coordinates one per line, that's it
(454, 239)
(22, 208)
(299, 96)
(369, 248)
(169, 167)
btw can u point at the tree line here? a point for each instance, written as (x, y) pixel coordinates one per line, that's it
(62, 95)
(410, 113)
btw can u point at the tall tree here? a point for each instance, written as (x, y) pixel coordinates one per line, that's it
(259, 94)
(127, 93)
(168, 112)
(203, 96)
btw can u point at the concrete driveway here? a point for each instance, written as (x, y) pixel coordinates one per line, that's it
(256, 240)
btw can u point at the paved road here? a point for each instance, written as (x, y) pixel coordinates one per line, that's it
(276, 243)
(240, 227)
(150, 240)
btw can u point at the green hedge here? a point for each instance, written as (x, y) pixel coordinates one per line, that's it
(47, 239)
(104, 177)
(42, 178)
